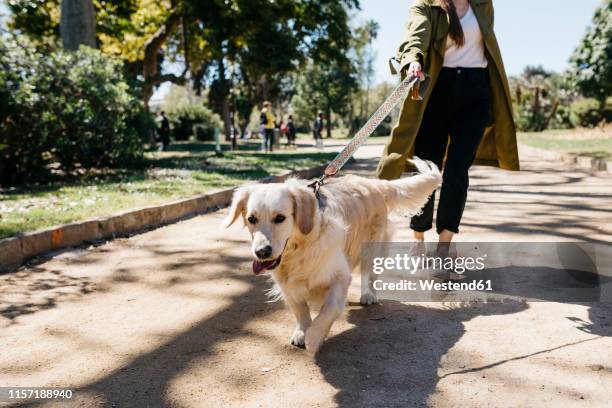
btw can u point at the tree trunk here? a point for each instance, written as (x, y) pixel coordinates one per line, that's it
(77, 24)
(328, 112)
(264, 87)
(535, 108)
(367, 102)
(235, 133)
(553, 111)
(361, 107)
(351, 119)
(150, 70)
(227, 119)
(224, 99)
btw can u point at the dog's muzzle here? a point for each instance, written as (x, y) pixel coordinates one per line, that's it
(260, 267)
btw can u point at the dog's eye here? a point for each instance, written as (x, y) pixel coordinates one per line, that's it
(252, 219)
(279, 218)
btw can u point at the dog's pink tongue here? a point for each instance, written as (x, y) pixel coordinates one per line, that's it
(259, 267)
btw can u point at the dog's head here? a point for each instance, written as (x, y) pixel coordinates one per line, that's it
(273, 213)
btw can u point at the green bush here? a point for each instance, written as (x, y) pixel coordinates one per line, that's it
(144, 124)
(586, 113)
(62, 110)
(193, 120)
(529, 120)
(561, 120)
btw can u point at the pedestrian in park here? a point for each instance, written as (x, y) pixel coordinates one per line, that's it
(317, 129)
(465, 118)
(290, 132)
(268, 123)
(164, 131)
(284, 130)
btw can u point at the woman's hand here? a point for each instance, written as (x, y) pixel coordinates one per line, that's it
(415, 69)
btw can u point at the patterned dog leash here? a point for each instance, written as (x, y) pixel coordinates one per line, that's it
(412, 85)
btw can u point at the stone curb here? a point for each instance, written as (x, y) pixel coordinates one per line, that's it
(17, 250)
(583, 162)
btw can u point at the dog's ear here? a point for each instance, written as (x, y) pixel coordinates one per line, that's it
(304, 207)
(238, 206)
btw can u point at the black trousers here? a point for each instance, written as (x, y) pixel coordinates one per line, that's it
(269, 139)
(459, 109)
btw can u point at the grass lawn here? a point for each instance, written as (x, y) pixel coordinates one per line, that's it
(595, 143)
(187, 169)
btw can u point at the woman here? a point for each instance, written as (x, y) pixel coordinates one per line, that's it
(317, 129)
(290, 131)
(465, 117)
(269, 124)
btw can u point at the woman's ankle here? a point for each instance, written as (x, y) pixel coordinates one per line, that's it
(446, 237)
(419, 236)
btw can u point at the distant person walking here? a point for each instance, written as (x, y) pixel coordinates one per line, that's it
(164, 131)
(268, 123)
(290, 132)
(317, 129)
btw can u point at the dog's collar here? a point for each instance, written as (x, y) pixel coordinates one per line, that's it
(321, 201)
(316, 188)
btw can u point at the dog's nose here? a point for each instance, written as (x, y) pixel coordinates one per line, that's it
(264, 252)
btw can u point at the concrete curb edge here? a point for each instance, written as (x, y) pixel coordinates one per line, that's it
(582, 162)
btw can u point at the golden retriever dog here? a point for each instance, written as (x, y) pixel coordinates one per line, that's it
(311, 245)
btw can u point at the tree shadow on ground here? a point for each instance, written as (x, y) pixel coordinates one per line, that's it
(392, 355)
(403, 344)
(36, 289)
(211, 147)
(144, 381)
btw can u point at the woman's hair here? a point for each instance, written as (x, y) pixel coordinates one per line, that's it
(455, 30)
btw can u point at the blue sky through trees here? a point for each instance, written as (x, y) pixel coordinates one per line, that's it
(530, 32)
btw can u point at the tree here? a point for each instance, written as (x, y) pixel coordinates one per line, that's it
(143, 33)
(591, 63)
(540, 99)
(219, 44)
(323, 87)
(364, 56)
(148, 34)
(77, 24)
(273, 40)
(367, 34)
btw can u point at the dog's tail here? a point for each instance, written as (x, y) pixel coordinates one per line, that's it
(410, 194)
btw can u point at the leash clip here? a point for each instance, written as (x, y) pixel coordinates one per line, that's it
(316, 185)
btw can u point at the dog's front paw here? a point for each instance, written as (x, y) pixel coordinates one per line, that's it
(368, 298)
(314, 339)
(298, 339)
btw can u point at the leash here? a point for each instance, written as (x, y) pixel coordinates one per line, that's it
(412, 85)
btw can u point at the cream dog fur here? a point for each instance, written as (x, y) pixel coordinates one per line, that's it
(311, 246)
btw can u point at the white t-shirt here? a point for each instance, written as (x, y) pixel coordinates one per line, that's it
(472, 54)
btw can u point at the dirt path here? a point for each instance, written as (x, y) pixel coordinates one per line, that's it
(174, 317)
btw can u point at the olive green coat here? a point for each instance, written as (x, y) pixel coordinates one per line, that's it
(425, 41)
